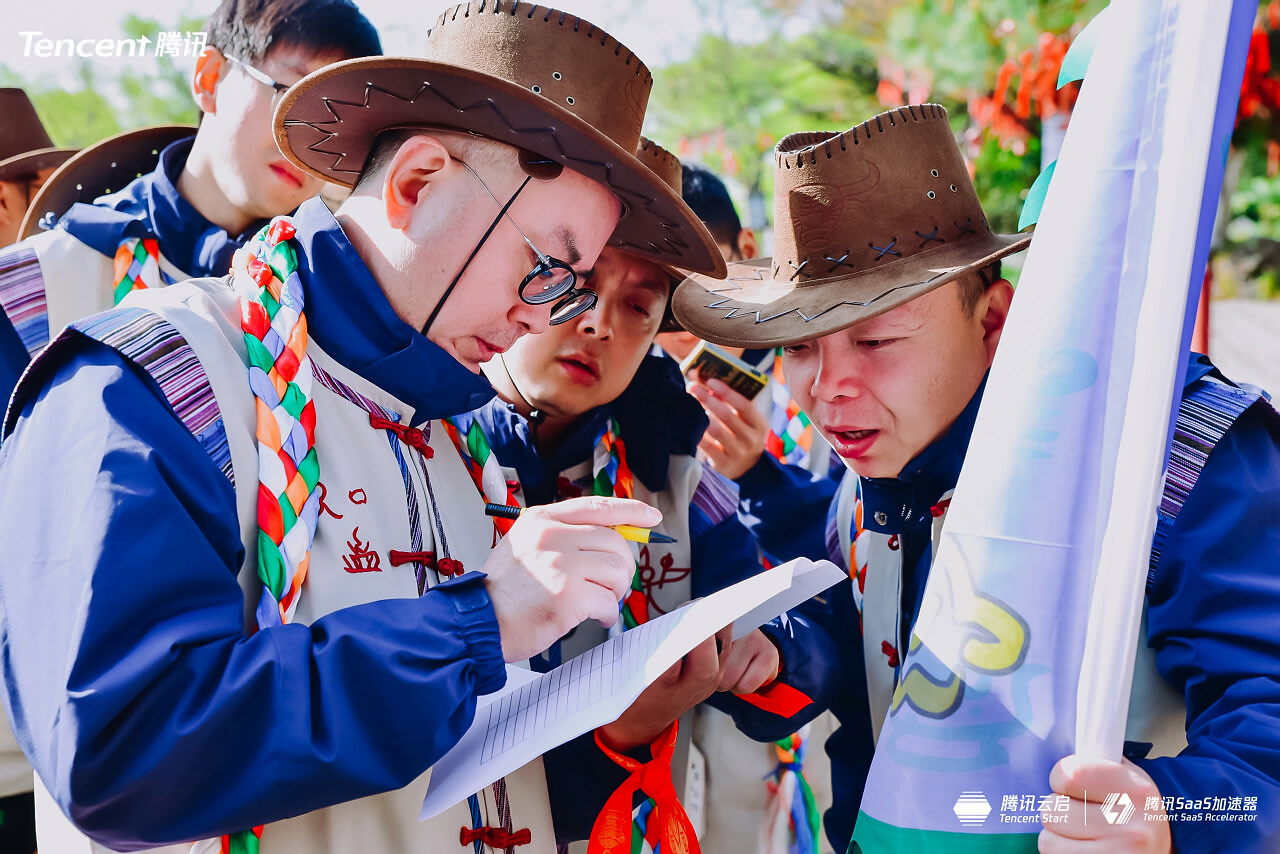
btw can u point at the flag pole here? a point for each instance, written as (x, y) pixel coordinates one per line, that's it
(1194, 69)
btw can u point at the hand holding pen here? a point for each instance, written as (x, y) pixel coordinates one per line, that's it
(560, 564)
(628, 532)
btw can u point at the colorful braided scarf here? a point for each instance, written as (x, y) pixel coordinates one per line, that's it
(790, 433)
(265, 278)
(794, 799)
(137, 266)
(611, 476)
(483, 466)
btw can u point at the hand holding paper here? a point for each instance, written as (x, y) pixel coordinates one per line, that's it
(535, 713)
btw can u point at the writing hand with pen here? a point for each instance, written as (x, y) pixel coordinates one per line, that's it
(561, 564)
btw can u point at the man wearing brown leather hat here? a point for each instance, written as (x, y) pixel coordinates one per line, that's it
(285, 596)
(886, 298)
(27, 159)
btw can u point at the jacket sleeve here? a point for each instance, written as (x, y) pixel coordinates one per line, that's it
(811, 664)
(129, 679)
(1212, 623)
(723, 550)
(787, 506)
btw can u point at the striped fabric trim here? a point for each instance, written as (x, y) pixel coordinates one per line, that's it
(1205, 415)
(834, 553)
(715, 499)
(157, 347)
(22, 297)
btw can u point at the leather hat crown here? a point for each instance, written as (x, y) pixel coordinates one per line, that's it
(864, 221)
(537, 78)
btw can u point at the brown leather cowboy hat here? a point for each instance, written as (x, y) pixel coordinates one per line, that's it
(667, 167)
(25, 146)
(527, 75)
(102, 168)
(864, 221)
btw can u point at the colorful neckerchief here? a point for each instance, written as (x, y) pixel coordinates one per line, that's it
(485, 472)
(137, 266)
(804, 823)
(265, 278)
(790, 433)
(611, 476)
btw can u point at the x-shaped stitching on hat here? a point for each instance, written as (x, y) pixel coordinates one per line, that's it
(926, 238)
(797, 269)
(484, 104)
(838, 262)
(886, 250)
(966, 228)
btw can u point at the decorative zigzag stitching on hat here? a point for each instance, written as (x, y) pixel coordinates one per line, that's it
(736, 311)
(783, 159)
(330, 104)
(533, 9)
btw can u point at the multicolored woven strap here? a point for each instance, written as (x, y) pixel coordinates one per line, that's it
(804, 823)
(137, 266)
(790, 433)
(265, 277)
(275, 333)
(483, 466)
(610, 475)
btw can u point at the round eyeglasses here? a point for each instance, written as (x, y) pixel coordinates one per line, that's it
(554, 281)
(550, 281)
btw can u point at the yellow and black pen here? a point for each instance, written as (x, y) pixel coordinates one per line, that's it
(628, 532)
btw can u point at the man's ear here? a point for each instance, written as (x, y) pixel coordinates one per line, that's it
(993, 311)
(9, 209)
(409, 175)
(747, 246)
(211, 67)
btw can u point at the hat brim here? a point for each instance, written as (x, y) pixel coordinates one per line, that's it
(327, 124)
(30, 162)
(752, 308)
(102, 168)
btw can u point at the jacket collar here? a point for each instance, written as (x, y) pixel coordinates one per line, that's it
(658, 419)
(152, 205)
(350, 318)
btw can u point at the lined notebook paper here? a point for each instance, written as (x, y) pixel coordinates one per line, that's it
(534, 713)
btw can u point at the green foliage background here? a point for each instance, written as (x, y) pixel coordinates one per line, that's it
(752, 95)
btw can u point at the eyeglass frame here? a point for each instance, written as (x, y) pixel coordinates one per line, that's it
(563, 294)
(261, 76)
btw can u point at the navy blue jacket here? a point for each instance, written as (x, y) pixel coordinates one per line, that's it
(1212, 607)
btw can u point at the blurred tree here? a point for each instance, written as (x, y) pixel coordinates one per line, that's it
(161, 95)
(73, 118)
(155, 93)
(729, 103)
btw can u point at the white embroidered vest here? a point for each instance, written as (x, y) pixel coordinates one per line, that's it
(1157, 713)
(77, 278)
(365, 516)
